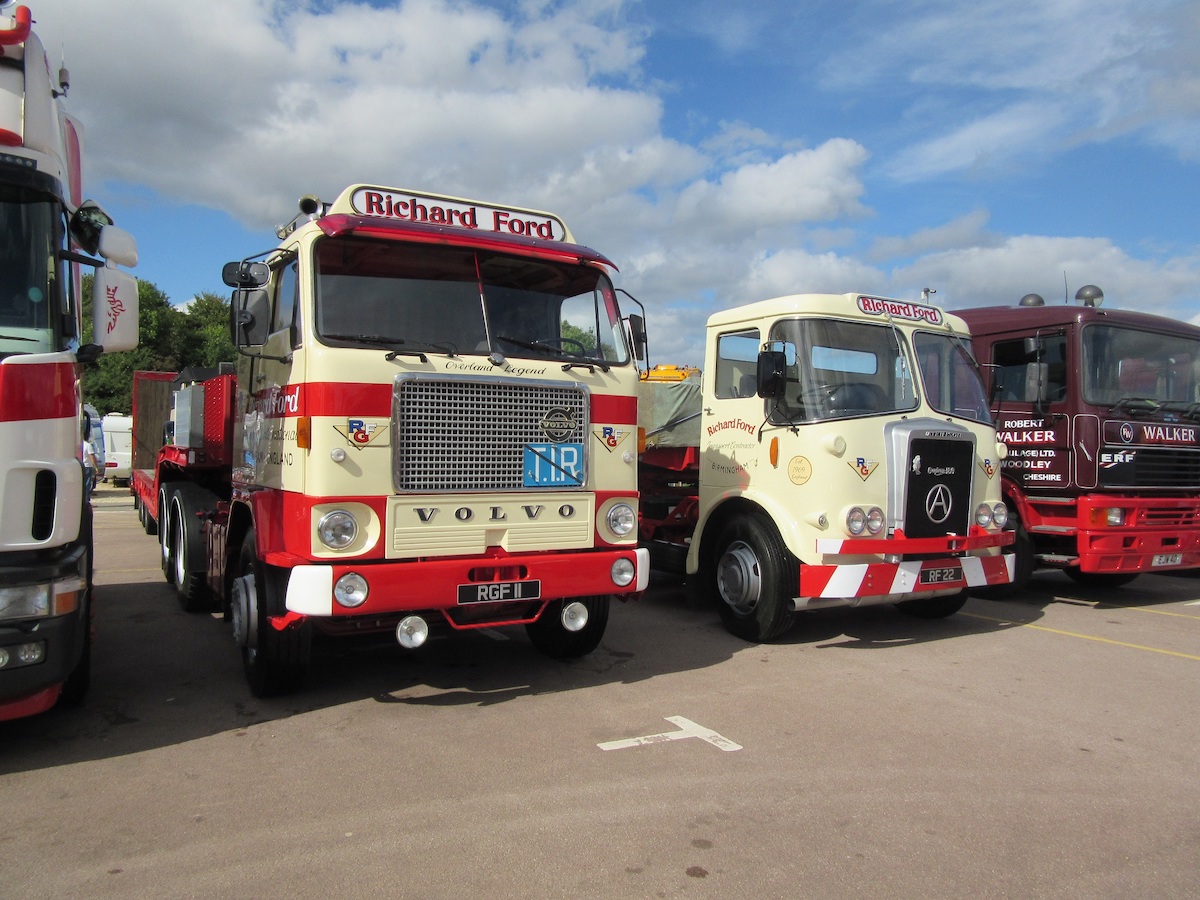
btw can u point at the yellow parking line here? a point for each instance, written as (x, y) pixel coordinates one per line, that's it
(1086, 637)
(1157, 612)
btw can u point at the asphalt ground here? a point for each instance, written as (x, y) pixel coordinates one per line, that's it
(1044, 746)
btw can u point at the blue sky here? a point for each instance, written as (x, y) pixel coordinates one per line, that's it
(718, 152)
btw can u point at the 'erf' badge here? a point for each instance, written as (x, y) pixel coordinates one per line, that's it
(362, 432)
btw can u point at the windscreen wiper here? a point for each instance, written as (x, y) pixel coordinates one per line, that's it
(1136, 406)
(570, 360)
(395, 345)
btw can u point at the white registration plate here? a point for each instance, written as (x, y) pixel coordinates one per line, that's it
(1167, 559)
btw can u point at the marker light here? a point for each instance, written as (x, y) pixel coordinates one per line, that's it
(574, 616)
(351, 590)
(412, 632)
(623, 572)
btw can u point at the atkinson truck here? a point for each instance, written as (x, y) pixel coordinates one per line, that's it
(1100, 409)
(48, 234)
(837, 451)
(431, 426)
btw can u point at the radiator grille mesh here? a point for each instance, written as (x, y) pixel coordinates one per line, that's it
(465, 435)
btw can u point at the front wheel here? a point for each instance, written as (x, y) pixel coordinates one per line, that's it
(754, 580)
(275, 661)
(558, 634)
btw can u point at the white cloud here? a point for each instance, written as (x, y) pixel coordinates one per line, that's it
(243, 105)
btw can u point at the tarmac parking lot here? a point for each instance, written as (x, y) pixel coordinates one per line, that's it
(1042, 746)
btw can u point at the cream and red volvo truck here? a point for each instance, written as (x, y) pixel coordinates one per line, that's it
(1100, 409)
(837, 451)
(48, 234)
(432, 425)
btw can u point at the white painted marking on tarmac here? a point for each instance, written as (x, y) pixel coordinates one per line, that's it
(687, 729)
(1192, 603)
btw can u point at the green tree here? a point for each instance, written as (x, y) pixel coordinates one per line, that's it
(169, 339)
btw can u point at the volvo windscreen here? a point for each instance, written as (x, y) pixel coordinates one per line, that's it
(418, 299)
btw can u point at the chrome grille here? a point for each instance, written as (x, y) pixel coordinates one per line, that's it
(461, 434)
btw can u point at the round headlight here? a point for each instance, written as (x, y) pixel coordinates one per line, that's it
(874, 520)
(350, 590)
(337, 530)
(856, 521)
(621, 519)
(1000, 515)
(983, 515)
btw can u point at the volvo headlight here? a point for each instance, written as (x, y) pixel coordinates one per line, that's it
(621, 519)
(337, 530)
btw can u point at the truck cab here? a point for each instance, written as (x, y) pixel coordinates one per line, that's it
(1100, 410)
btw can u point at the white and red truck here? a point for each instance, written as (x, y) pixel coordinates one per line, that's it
(836, 451)
(1100, 409)
(431, 425)
(48, 234)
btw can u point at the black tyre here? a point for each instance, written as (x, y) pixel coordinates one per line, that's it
(1099, 579)
(188, 551)
(1022, 569)
(75, 688)
(275, 662)
(933, 607)
(551, 637)
(753, 580)
(166, 551)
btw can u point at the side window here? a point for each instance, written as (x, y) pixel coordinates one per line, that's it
(286, 288)
(1026, 373)
(737, 364)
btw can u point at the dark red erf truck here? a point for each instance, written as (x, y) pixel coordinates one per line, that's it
(1100, 411)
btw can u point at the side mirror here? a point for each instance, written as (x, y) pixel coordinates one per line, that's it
(637, 331)
(86, 225)
(772, 373)
(1036, 378)
(249, 317)
(245, 274)
(114, 309)
(118, 246)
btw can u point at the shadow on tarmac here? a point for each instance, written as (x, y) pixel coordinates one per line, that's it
(162, 676)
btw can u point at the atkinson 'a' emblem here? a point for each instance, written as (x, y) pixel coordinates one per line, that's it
(937, 504)
(558, 424)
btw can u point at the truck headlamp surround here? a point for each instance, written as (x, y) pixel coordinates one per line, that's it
(351, 590)
(337, 530)
(621, 519)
